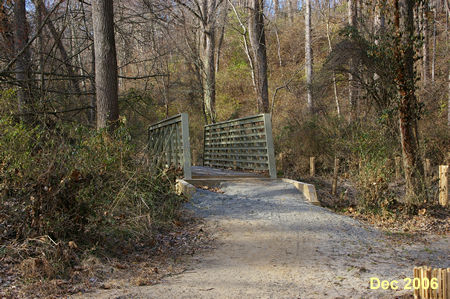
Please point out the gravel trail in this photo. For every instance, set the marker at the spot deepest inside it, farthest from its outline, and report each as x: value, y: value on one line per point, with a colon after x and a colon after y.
x: 271, y: 243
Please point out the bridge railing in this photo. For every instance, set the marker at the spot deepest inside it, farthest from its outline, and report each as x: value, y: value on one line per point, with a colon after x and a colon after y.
x: 244, y: 143
x: 168, y: 142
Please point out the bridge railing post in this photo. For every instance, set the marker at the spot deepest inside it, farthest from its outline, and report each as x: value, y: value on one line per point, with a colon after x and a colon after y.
x: 269, y: 145
x: 186, y: 146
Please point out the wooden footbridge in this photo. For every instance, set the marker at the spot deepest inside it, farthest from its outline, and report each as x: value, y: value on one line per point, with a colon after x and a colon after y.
x: 234, y: 149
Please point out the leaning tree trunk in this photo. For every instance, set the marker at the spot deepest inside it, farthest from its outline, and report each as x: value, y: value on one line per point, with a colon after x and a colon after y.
x: 257, y: 38
x: 408, y: 106
x: 22, y: 66
x: 308, y: 57
x: 105, y: 63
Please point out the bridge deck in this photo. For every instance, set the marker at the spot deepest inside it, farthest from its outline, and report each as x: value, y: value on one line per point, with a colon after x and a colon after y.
x: 203, y: 172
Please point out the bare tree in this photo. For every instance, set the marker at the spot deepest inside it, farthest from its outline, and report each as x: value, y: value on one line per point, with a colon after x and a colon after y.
x: 276, y: 4
x: 22, y: 66
x: 380, y: 18
x: 308, y: 57
x: 222, y: 23
x: 327, y: 16
x: 379, y: 24
x: 105, y: 63
x: 39, y: 18
x: 425, y: 14
x: 206, y: 14
x: 292, y: 8
x: 258, y: 43
x: 352, y: 91
x: 62, y: 50
x: 408, y: 107
x: 7, y: 33
x: 433, y: 58
x: 447, y: 13
x: 207, y: 55
x: 245, y: 43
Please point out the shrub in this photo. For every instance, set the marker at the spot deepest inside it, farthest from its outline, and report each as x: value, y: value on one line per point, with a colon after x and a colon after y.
x: 72, y: 184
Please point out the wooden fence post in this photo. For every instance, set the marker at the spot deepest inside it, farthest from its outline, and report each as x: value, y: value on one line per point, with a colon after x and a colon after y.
x: 335, y: 176
x: 431, y: 283
x: 427, y: 169
x: 194, y: 157
x: 281, y: 163
x: 397, y: 168
x: 443, y: 185
x: 312, y: 166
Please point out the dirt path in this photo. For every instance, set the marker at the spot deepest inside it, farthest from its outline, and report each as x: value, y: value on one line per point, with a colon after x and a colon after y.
x: 273, y: 244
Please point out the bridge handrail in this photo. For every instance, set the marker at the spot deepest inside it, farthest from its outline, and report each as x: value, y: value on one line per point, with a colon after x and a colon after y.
x: 169, y: 139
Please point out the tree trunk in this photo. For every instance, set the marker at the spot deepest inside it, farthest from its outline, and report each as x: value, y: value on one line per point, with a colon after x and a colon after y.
x: 408, y: 108
x: 308, y: 58
x: 352, y: 91
x: 7, y: 32
x: 207, y: 56
x: 447, y: 12
x: 258, y: 43
x: 426, y: 43
x: 336, y: 99
x: 277, y: 8
x: 78, y: 58
x: 166, y: 93
x: 380, y: 19
x: 22, y: 67
x: 245, y: 44
x: 292, y: 9
x: 433, y: 58
x: 448, y: 104
x: 105, y: 63
x: 39, y: 18
x: 92, y: 114
x: 223, y: 21
x: 379, y: 24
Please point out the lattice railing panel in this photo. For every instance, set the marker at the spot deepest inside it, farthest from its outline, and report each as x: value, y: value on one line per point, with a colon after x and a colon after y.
x: 244, y: 143
x: 168, y: 143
